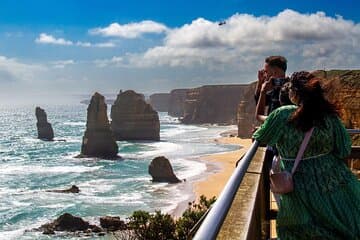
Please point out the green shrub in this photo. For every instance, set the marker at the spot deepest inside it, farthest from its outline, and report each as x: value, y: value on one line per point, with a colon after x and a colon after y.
x: 161, y: 226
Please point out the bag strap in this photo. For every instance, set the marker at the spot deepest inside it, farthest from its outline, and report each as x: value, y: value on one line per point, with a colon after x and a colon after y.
x: 302, y: 149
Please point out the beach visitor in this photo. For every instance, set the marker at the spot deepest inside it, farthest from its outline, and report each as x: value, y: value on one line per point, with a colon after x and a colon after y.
x: 273, y: 73
x: 325, y: 203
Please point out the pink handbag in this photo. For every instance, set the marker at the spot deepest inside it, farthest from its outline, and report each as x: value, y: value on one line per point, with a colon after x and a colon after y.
x: 282, y: 182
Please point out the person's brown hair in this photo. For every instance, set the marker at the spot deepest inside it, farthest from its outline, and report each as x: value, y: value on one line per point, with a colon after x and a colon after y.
x: 313, y: 106
x: 277, y: 61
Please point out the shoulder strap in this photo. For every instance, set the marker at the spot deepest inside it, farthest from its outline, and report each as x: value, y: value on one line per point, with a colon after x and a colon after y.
x: 302, y: 149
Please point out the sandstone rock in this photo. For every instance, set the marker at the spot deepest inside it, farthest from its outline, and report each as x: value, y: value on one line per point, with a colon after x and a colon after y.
x: 133, y: 118
x: 160, y: 101
x: 45, y: 130
x: 177, y: 102
x: 65, y: 222
x: 98, y: 140
x: 343, y: 88
x: 161, y: 171
x: 246, y: 120
x: 112, y: 223
x: 73, y: 189
x: 214, y: 104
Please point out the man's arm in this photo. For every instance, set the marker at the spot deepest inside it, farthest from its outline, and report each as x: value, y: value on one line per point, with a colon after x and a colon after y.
x: 261, y: 80
x: 261, y: 104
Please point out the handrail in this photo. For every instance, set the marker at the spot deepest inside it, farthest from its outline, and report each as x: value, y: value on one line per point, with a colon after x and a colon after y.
x: 353, y: 131
x: 216, y: 216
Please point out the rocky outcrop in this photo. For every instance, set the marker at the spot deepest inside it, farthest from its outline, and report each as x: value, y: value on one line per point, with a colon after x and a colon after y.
x: 45, y: 130
x: 177, y: 102
x: 112, y: 223
x: 133, y: 118
x: 214, y: 104
x: 160, y: 101
x: 343, y: 88
x: 161, y: 171
x: 65, y: 222
x: 73, y: 189
x: 246, y: 120
x: 98, y: 140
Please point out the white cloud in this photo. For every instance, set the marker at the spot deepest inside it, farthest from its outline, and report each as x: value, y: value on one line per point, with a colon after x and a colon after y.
x: 130, y: 30
x: 309, y: 41
x: 62, y: 63
x: 49, y: 39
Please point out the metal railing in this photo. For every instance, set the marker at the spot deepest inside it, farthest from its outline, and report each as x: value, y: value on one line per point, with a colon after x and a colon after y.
x: 215, y: 218
x: 213, y: 221
x: 353, y: 131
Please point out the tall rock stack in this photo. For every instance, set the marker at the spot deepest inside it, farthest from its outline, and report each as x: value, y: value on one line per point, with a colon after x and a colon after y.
x: 177, y: 102
x: 160, y: 101
x: 244, y: 121
x: 98, y: 140
x: 44, y: 128
x: 133, y: 118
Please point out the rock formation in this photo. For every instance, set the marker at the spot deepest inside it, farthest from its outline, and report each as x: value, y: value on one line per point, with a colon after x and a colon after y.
x: 98, y: 140
x: 214, y: 104
x: 65, y: 222
x: 73, y: 189
x: 161, y: 171
x: 133, y: 118
x: 246, y: 120
x: 112, y: 223
x: 45, y: 130
x: 160, y: 101
x: 177, y: 102
x: 343, y: 88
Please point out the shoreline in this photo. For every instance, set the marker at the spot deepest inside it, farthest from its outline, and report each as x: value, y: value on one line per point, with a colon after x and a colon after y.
x: 219, y: 168
x: 214, y: 182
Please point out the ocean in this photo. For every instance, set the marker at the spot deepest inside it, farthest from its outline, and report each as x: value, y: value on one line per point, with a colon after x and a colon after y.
x: 29, y: 167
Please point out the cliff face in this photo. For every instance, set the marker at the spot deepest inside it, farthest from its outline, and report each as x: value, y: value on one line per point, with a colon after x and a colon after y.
x: 160, y: 101
x: 133, y: 118
x: 44, y: 128
x: 344, y: 89
x: 98, y: 140
x: 177, y: 102
x: 214, y: 104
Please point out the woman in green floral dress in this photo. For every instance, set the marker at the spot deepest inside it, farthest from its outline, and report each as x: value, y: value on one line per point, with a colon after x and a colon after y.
x: 325, y: 203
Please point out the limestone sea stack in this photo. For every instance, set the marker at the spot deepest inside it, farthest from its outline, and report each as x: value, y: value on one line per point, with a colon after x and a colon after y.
x: 161, y: 170
x: 98, y: 140
x: 44, y: 128
x: 133, y: 118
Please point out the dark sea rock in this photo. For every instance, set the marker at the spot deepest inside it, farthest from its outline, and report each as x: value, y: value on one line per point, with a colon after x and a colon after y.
x: 133, y: 118
x: 112, y: 223
x: 73, y: 189
x: 98, y: 140
x: 44, y: 128
x: 161, y: 171
x: 66, y: 222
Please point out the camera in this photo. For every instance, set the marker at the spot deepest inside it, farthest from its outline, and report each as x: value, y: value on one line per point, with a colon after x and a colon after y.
x: 277, y: 82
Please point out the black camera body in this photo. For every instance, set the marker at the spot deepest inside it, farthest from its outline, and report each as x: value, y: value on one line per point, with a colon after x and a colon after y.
x: 277, y: 82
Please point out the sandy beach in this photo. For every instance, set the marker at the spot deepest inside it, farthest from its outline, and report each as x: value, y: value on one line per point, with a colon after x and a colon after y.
x: 220, y: 167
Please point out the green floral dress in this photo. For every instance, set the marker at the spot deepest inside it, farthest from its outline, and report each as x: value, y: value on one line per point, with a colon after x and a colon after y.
x: 325, y: 203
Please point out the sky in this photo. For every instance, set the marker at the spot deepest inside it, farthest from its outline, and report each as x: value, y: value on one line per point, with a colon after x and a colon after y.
x: 61, y: 48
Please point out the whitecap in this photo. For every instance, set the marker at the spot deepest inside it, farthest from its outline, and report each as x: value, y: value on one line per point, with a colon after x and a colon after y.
x: 12, y: 170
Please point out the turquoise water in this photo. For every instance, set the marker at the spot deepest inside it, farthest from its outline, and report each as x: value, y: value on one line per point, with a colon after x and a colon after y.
x: 29, y: 167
